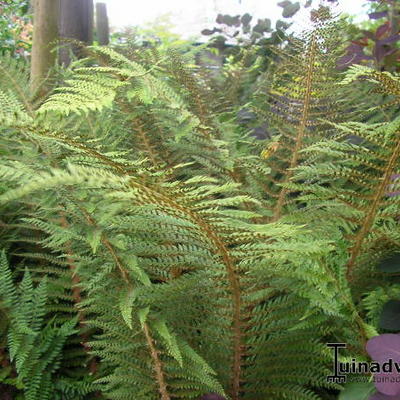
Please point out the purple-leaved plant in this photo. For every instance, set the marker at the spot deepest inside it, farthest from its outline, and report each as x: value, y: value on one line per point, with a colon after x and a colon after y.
x: 382, y: 348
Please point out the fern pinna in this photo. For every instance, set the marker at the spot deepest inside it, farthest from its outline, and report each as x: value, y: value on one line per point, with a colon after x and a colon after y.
x: 166, y: 253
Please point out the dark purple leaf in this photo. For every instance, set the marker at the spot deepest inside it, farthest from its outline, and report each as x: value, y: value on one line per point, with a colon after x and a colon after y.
x: 377, y: 15
x: 382, y: 50
x: 355, y: 48
x: 347, y: 60
x: 390, y: 39
x: 368, y: 34
x: 355, y: 55
x: 379, y: 52
x: 383, y: 347
x: 380, y: 32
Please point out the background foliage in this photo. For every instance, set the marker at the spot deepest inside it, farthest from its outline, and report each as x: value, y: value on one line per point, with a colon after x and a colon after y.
x: 15, y: 27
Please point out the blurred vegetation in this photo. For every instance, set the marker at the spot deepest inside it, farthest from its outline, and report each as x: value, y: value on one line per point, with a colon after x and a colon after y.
x: 158, y: 32
x: 375, y: 42
x: 15, y: 27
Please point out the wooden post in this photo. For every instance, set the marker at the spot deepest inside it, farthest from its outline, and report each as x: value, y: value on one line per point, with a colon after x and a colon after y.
x: 102, y: 26
x: 45, y: 36
x: 76, y: 23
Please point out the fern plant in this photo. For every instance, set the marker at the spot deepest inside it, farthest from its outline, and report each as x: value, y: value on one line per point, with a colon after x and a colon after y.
x: 34, y: 345
x: 176, y: 259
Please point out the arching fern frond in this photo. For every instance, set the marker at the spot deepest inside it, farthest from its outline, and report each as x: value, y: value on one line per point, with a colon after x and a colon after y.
x: 358, y: 182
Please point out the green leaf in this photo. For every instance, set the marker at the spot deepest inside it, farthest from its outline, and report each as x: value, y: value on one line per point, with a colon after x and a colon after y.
x: 119, y: 241
x: 143, y: 313
x: 94, y: 239
x: 133, y: 265
x: 125, y: 305
x: 163, y: 331
x: 7, y: 288
x: 370, y: 330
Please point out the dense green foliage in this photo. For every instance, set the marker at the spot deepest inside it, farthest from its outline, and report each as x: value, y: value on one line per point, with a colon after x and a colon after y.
x: 153, y: 248
x: 15, y: 26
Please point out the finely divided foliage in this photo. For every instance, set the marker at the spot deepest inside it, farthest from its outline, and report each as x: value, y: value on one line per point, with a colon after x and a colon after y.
x: 153, y: 249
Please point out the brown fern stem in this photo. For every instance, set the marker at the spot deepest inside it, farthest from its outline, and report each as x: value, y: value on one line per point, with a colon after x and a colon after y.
x: 138, y: 124
x: 373, y: 210
x: 146, y: 143
x: 162, y: 386
x: 301, y: 127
